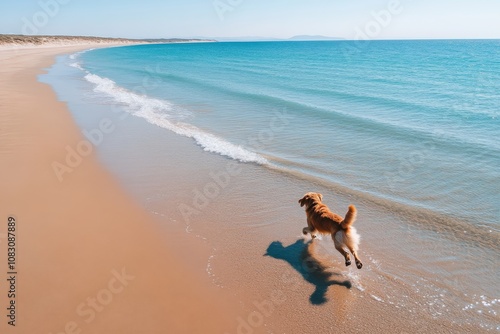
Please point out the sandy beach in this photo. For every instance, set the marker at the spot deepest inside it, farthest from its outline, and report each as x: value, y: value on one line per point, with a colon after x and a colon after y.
x: 88, y: 259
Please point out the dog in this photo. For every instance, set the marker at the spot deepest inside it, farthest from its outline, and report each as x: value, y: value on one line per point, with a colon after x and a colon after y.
x: 321, y: 220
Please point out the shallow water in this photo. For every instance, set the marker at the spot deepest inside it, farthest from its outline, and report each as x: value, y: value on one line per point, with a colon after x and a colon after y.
x: 412, y: 123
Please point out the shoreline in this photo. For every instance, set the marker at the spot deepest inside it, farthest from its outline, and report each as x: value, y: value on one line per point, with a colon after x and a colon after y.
x: 168, y: 172
x: 90, y: 258
x: 257, y: 254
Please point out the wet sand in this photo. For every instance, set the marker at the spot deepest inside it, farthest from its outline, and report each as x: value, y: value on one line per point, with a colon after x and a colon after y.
x: 88, y: 258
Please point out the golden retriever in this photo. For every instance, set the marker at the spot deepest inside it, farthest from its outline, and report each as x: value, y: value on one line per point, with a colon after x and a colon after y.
x: 320, y: 219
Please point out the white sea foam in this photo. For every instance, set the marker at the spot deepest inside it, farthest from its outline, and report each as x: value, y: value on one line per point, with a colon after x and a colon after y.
x: 78, y: 54
x: 355, y: 279
x: 75, y: 56
x: 160, y: 113
x: 377, y: 298
x: 76, y: 65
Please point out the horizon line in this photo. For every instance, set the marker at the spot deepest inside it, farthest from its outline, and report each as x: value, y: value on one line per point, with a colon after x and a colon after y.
x: 263, y: 39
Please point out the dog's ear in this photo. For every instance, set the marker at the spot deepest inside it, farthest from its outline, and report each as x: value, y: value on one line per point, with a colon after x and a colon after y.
x: 302, y: 201
x: 320, y: 197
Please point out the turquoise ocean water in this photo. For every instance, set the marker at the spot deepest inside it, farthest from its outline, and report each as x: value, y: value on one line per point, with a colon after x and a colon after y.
x: 413, y: 124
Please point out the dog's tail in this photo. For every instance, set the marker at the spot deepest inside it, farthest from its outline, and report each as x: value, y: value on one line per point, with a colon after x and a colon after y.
x: 350, y: 217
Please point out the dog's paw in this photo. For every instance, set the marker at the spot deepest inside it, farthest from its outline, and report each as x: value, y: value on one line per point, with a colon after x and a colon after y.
x: 359, y: 265
x: 347, y: 263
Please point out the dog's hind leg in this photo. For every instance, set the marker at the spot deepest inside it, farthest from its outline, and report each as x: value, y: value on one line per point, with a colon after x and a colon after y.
x: 356, y: 258
x: 338, y: 246
x: 351, y: 241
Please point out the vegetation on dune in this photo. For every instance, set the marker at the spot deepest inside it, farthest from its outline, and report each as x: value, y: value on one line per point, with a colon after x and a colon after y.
x: 39, y: 40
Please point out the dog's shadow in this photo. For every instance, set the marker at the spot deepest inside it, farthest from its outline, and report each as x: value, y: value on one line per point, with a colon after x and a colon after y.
x: 300, y: 255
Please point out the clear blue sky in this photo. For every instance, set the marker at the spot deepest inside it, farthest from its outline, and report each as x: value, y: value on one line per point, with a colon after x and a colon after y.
x: 350, y: 19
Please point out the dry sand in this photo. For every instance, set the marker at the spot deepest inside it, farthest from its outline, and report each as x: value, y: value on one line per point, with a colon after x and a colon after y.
x: 89, y: 260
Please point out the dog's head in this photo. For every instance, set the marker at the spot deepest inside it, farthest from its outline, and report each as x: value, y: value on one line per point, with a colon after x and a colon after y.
x: 310, y: 198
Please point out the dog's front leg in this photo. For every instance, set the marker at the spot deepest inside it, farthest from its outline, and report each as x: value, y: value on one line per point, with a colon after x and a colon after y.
x: 307, y: 230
